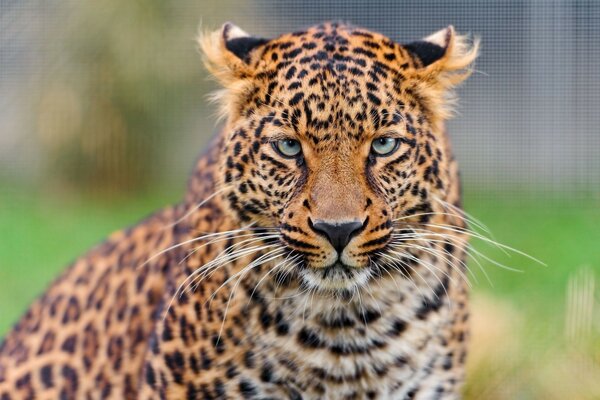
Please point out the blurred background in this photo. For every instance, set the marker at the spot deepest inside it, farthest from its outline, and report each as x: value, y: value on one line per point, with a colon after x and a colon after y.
x: 103, y: 111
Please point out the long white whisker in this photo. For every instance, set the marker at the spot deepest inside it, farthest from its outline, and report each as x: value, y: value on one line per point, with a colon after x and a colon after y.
x: 198, y: 205
x: 403, y: 265
x: 473, y: 251
x: 254, y: 264
x: 470, y: 218
x: 208, y: 269
x: 434, y: 252
x: 255, y: 237
x: 270, y: 271
x: 488, y: 240
x: 426, y: 265
x: 198, y: 238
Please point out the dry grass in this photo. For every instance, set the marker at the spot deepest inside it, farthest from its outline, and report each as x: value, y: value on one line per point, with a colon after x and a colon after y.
x: 515, y: 357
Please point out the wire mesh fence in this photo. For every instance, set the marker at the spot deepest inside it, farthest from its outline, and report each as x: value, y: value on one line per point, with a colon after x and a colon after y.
x: 113, y: 92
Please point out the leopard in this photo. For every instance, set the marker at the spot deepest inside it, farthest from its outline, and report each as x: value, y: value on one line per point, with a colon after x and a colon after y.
x: 319, y: 251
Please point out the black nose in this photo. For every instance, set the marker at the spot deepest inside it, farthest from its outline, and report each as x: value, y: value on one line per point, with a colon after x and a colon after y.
x: 339, y: 233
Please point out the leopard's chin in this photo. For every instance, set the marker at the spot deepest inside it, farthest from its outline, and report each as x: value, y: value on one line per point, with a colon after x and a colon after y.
x: 335, y: 278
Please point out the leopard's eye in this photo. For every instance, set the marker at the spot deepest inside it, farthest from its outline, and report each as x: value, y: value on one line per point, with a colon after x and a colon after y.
x: 384, y: 146
x: 289, y: 148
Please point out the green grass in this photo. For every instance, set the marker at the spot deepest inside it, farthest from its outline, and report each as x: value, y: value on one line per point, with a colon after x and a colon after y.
x: 41, y: 233
x: 562, y: 236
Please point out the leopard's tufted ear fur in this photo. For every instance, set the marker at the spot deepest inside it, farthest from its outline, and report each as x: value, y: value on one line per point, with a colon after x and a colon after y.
x: 443, y: 60
x: 227, y: 54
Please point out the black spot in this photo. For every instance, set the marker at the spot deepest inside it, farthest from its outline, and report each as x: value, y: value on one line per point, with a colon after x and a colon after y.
x: 374, y: 99
x: 292, y: 53
x: 369, y: 316
x: 219, y: 388
x: 247, y: 389
x: 356, y: 71
x: 71, y: 377
x: 23, y: 381
x: 205, y: 360
x: 231, y: 371
x: 411, y: 393
x: 249, y: 360
x: 296, y: 99
x: 191, y: 392
x: 72, y: 311
x: 150, y: 377
x: 360, y: 50
x: 309, y: 338
x: 237, y: 149
x: 338, y: 322
x: 290, y: 73
x: 167, y: 334
x: 69, y: 344
x: 266, y: 319
x: 389, y: 56
x: 435, y: 302
x: 306, y: 204
x: 218, y: 344
x: 266, y: 373
x: 281, y: 326
x: 398, y: 327
x: 46, y: 376
x: 447, y: 365
x: 449, y: 247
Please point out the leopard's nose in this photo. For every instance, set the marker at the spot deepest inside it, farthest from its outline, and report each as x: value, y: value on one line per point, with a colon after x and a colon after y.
x: 339, y: 233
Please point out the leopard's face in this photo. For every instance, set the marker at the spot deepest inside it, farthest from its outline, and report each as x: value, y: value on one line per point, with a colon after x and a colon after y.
x: 331, y: 142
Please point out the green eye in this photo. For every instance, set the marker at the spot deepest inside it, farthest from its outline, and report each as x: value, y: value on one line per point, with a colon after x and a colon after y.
x: 288, y: 147
x: 384, y: 146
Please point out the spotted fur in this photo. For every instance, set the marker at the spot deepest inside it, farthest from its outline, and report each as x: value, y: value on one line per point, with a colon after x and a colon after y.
x: 236, y: 293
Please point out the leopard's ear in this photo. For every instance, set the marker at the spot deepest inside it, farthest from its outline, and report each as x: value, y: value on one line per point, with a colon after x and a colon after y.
x: 443, y: 50
x: 227, y: 54
x: 442, y: 61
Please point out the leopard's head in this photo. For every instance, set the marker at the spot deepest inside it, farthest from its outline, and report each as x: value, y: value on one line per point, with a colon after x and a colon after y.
x: 332, y: 135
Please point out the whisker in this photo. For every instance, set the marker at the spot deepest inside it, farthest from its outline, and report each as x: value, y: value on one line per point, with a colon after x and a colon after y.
x: 269, y: 256
x: 444, y: 214
x: 185, y: 242
x: 209, y: 268
x: 403, y: 266
x: 435, y: 253
x: 198, y: 205
x: 253, y: 235
x: 226, y: 256
x: 473, y: 221
x: 426, y: 265
x: 471, y: 250
x: 488, y: 240
x: 270, y: 271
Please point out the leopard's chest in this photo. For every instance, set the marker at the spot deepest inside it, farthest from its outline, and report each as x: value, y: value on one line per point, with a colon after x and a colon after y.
x: 373, y: 349
x: 250, y: 342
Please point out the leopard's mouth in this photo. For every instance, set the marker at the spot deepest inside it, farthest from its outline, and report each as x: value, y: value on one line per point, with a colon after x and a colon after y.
x: 335, y: 277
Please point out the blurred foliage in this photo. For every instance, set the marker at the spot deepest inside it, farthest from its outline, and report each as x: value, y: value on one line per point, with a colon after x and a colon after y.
x: 111, y: 107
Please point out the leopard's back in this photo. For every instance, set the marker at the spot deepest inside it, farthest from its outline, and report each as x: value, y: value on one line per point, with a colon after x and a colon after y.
x: 87, y: 335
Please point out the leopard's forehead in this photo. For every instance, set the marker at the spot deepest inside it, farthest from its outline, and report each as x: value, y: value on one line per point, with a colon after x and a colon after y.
x: 333, y: 82
x: 345, y: 47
